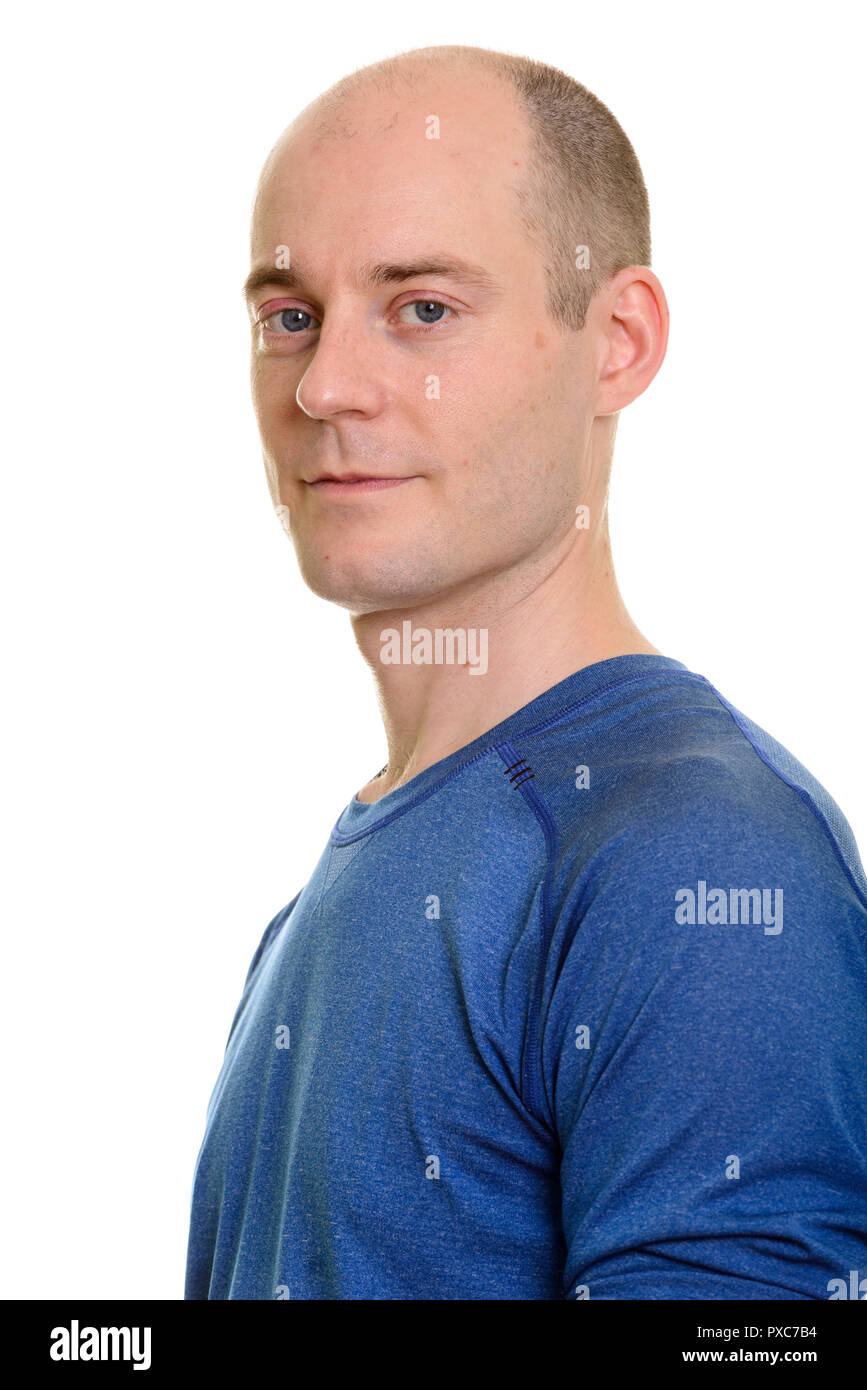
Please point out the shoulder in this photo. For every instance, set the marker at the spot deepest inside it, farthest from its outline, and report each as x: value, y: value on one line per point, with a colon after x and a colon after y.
x: 684, y: 777
x: 691, y: 845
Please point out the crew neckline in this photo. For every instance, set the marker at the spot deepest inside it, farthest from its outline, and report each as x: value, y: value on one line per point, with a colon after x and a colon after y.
x: 359, y: 817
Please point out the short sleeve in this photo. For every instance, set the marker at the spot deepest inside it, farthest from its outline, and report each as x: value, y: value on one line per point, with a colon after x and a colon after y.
x: 704, y: 1064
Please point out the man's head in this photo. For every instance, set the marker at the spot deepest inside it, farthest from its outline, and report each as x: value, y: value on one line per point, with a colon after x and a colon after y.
x: 439, y: 322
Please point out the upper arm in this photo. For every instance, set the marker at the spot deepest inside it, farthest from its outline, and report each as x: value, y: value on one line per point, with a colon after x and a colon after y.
x: 708, y: 1082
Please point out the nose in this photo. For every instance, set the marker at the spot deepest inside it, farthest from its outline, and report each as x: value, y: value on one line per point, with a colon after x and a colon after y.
x: 347, y: 371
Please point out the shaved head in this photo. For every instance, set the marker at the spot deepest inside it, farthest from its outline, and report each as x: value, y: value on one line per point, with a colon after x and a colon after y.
x: 581, y: 184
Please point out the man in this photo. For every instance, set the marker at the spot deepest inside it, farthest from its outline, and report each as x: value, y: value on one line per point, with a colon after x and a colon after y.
x: 574, y: 1002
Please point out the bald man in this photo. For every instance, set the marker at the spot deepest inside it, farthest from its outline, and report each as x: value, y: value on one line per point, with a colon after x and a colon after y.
x: 573, y: 1005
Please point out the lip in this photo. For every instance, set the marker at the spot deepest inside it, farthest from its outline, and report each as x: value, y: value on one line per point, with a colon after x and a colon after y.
x: 352, y: 485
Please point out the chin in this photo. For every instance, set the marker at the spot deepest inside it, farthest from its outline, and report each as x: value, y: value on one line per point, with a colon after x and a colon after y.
x: 377, y: 584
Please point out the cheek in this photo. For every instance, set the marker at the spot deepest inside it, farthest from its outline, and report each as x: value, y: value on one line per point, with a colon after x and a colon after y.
x: 257, y: 394
x: 514, y: 465
x: 273, y: 395
x: 271, y: 479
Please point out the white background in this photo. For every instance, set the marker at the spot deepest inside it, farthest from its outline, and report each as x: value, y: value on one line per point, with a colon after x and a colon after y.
x: 185, y: 720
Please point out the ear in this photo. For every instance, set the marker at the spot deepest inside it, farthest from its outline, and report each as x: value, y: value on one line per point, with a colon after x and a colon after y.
x: 630, y: 319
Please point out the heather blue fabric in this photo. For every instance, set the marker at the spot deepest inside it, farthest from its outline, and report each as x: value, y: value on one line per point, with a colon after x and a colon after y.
x: 479, y: 1057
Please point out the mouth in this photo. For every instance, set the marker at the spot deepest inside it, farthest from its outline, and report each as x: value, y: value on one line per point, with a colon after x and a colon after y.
x: 350, y: 484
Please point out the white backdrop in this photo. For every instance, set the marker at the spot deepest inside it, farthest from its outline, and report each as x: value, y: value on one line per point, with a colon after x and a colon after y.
x: 184, y: 720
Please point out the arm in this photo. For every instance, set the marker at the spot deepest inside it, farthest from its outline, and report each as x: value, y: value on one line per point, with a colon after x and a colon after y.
x: 708, y: 1082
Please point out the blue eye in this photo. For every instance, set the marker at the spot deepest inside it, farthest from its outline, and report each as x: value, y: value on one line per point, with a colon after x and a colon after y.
x: 428, y: 310
x: 292, y: 320
x: 427, y: 314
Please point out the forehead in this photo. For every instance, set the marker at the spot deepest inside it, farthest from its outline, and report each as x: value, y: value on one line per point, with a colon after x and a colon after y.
x: 439, y: 163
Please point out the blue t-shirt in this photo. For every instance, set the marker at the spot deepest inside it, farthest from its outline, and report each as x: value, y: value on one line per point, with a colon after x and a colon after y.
x: 579, y: 1011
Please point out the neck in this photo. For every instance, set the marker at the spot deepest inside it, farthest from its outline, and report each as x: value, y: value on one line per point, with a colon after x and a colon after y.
x: 526, y: 631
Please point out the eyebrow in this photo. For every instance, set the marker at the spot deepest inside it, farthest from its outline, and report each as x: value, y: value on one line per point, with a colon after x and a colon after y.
x: 381, y: 273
